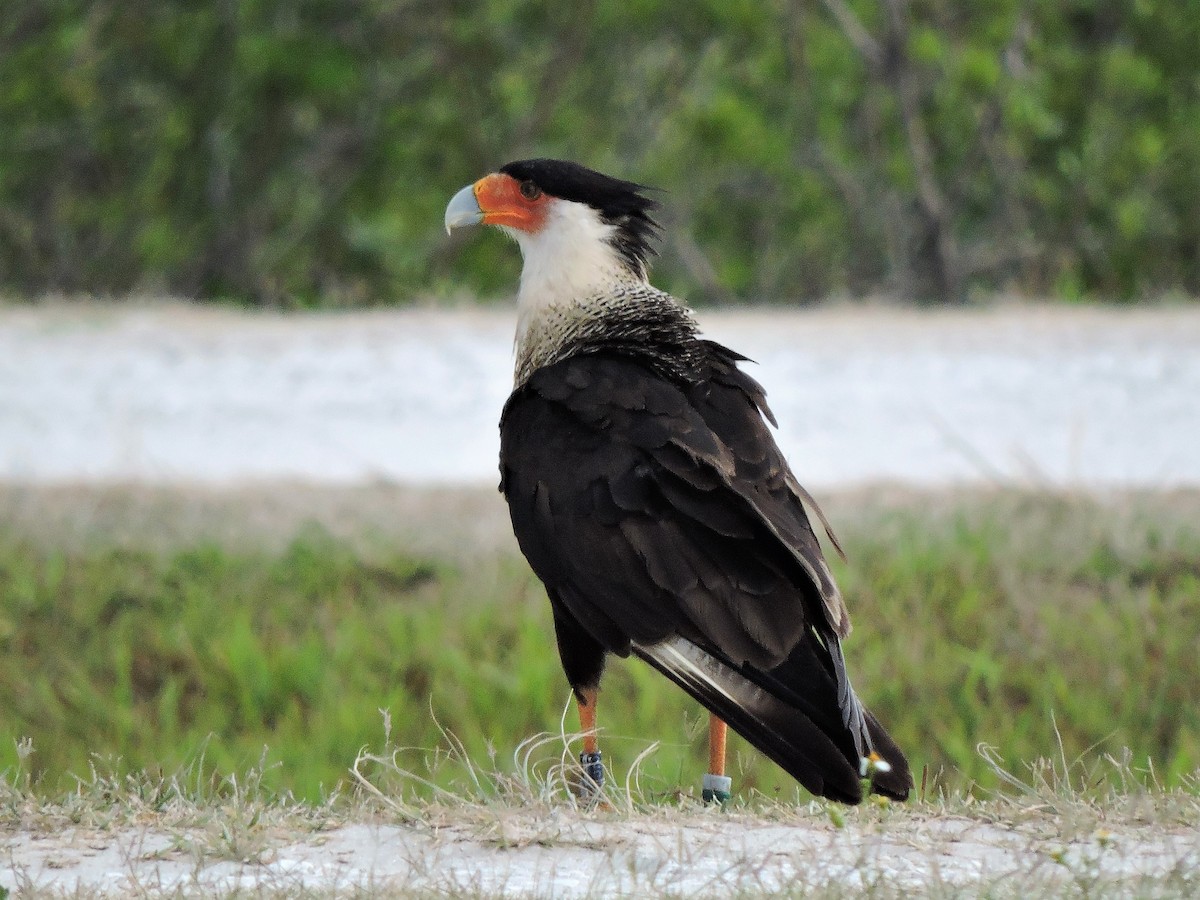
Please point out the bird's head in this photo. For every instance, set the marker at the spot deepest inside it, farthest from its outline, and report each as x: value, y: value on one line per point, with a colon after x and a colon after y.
x: 568, y: 219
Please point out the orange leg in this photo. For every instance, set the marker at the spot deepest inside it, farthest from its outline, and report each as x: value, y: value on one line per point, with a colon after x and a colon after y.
x: 593, y: 767
x: 716, y: 784
x: 586, y: 699
x: 716, y: 745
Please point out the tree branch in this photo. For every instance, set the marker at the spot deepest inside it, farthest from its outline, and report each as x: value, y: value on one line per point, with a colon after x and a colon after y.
x: 868, y: 48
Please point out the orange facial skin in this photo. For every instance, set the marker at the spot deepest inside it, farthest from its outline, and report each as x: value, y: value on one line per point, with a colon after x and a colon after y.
x: 499, y: 197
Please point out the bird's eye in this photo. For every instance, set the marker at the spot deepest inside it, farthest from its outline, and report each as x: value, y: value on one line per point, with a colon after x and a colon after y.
x: 530, y: 191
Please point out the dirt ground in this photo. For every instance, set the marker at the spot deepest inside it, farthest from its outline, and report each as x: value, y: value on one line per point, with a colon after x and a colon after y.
x: 998, y: 849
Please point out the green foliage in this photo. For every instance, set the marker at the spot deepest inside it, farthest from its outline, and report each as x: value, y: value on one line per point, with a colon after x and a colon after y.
x: 301, y: 154
x: 1018, y: 626
x: 970, y: 643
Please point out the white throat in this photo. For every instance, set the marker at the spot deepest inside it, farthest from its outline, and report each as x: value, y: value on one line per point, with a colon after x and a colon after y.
x: 568, y: 261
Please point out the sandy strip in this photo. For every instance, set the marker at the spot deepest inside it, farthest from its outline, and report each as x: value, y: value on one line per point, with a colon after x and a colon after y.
x: 570, y: 854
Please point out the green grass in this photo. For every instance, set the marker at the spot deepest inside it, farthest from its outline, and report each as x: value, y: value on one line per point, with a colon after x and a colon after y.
x: 1039, y: 626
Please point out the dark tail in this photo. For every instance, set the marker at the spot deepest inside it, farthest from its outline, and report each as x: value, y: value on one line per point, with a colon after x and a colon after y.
x: 791, y: 714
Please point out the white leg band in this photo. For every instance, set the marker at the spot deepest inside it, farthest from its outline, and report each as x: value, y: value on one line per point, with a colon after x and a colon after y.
x: 716, y: 787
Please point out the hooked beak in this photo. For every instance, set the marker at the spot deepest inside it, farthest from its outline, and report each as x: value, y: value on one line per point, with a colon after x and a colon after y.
x: 463, y: 209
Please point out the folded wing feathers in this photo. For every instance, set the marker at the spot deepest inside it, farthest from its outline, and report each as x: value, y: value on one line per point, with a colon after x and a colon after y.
x: 852, y: 711
x: 669, y: 452
x: 782, y: 732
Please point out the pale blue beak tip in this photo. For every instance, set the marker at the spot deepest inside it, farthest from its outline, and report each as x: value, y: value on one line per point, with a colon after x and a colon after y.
x: 463, y: 209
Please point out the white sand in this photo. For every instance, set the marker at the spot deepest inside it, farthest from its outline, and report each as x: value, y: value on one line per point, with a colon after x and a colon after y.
x: 1048, y: 397
x: 569, y: 854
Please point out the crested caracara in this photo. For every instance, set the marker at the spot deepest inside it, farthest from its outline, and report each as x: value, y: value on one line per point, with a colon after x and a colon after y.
x: 650, y: 498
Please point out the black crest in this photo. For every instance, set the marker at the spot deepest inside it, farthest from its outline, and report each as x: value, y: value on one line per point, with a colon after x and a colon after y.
x: 620, y: 203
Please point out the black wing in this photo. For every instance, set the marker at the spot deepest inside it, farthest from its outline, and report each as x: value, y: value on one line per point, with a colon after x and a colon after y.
x: 654, y: 511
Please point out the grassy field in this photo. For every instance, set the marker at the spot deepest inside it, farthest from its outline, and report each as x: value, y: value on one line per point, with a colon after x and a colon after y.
x: 1037, y: 625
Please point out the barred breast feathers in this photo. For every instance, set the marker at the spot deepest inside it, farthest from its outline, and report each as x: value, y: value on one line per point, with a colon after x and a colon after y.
x: 629, y: 317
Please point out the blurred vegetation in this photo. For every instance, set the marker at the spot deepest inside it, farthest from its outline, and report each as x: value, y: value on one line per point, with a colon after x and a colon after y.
x: 300, y: 153
x: 1017, y: 623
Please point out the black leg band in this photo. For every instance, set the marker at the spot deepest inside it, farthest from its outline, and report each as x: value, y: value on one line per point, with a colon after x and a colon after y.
x: 593, y: 770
